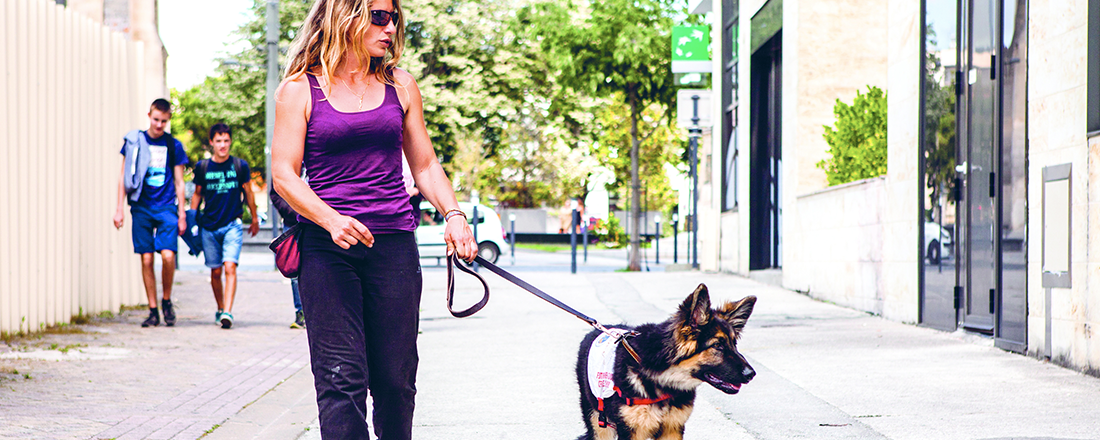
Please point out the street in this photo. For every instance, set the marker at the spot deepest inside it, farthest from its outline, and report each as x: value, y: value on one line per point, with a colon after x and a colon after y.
x: 824, y: 372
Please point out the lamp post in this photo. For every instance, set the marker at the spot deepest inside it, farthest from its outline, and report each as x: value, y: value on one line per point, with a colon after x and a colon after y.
x: 695, y: 133
x: 269, y: 109
x: 512, y: 220
x: 657, y: 241
x: 675, y: 236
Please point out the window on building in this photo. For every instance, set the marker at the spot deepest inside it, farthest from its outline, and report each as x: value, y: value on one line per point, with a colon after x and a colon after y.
x: 728, y: 137
x: 1094, y: 67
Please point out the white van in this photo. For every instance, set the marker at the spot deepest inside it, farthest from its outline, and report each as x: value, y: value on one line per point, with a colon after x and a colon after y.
x: 491, y: 237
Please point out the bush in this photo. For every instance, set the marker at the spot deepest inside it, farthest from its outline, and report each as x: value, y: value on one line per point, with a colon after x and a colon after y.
x: 610, y: 233
x: 858, y: 142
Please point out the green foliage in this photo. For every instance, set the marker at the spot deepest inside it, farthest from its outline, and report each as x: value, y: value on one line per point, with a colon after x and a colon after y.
x: 236, y: 93
x: 610, y: 233
x: 858, y: 142
x: 498, y: 119
x: 656, y: 152
x: 939, y: 130
x: 611, y: 48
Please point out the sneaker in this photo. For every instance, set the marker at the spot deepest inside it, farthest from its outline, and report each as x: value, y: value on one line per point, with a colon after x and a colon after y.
x: 299, y: 320
x: 226, y: 320
x: 153, y: 320
x: 169, y: 314
x: 218, y: 316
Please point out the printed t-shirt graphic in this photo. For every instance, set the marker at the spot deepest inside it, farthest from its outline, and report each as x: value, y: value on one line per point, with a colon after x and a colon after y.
x: 159, y: 188
x: 221, y: 193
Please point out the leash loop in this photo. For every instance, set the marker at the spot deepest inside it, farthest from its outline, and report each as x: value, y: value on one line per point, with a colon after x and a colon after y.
x: 452, y: 261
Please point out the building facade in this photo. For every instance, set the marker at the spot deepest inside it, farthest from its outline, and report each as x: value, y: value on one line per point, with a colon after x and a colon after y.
x: 988, y: 218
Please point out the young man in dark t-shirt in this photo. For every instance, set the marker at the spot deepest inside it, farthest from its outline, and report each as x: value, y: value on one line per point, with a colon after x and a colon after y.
x: 221, y: 182
x: 151, y: 181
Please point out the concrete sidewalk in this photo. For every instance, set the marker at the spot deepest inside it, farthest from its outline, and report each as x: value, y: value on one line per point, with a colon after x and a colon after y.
x: 507, y: 373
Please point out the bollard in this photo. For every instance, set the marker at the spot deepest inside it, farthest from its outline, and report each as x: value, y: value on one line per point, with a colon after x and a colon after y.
x: 573, y: 238
x: 512, y: 219
x: 675, y: 236
x: 586, y: 241
x: 474, y: 265
x: 657, y: 241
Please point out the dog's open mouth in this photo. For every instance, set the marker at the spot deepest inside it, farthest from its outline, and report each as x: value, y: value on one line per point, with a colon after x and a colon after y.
x: 723, y: 386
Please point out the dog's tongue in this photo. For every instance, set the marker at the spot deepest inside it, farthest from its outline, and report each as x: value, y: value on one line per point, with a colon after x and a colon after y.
x: 723, y: 384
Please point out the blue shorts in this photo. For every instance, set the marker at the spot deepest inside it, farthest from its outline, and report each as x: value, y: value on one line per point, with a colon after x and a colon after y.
x: 155, y: 228
x: 223, y: 245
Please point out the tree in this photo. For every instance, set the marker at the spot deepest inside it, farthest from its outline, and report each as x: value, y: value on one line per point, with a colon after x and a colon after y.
x: 656, y: 154
x: 858, y: 142
x: 607, y: 47
x: 469, y: 69
x: 235, y: 93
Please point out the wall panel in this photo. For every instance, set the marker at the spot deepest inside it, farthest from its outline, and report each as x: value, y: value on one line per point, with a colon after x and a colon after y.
x: 69, y: 90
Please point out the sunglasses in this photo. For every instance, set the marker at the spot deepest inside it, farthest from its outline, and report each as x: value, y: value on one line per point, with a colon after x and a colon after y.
x: 382, y: 18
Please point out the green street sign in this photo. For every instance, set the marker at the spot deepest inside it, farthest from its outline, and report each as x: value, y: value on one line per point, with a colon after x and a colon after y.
x: 690, y: 43
x: 691, y: 49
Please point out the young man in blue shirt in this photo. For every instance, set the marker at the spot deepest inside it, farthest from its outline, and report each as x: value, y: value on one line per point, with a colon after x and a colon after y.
x: 151, y: 181
x: 223, y: 182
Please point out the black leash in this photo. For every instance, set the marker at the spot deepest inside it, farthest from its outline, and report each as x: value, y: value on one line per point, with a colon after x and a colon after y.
x: 453, y: 261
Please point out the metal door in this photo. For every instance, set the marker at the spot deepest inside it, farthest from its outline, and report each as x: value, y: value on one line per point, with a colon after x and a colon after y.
x: 976, y: 167
x: 1011, y: 307
x: 765, y: 137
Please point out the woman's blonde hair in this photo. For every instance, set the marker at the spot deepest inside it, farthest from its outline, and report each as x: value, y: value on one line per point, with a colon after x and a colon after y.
x: 330, y: 30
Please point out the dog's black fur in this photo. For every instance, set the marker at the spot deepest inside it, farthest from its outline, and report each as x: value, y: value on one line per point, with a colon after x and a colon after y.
x: 696, y: 345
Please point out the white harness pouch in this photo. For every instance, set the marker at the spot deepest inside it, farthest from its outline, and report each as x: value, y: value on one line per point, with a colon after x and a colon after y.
x: 601, y: 363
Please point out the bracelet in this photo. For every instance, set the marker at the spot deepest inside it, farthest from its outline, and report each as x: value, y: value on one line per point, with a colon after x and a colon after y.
x: 452, y: 213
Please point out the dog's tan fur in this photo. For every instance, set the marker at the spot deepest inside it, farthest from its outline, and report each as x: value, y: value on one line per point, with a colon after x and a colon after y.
x: 699, y: 346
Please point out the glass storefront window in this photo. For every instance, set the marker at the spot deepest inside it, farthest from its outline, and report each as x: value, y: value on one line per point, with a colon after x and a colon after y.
x: 938, y: 157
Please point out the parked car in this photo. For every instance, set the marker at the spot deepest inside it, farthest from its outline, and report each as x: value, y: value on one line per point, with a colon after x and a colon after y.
x: 937, y: 242
x: 491, y: 238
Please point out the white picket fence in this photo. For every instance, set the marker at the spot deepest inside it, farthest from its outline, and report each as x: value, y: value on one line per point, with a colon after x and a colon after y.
x: 69, y: 90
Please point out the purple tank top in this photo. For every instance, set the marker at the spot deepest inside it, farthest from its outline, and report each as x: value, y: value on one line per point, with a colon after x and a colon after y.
x: 353, y: 161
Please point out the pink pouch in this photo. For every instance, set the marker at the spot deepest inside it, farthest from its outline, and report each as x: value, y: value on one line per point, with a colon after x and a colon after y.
x: 287, y: 257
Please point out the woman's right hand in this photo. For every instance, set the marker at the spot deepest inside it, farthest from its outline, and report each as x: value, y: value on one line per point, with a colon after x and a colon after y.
x: 347, y: 232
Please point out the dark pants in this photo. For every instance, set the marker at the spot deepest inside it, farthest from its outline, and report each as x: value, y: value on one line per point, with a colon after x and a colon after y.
x: 363, y: 309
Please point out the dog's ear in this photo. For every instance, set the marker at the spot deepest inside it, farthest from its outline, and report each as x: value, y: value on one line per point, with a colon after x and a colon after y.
x: 695, y: 310
x: 737, y: 313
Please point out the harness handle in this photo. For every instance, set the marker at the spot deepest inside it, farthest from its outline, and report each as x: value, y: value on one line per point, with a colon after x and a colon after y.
x: 453, y: 260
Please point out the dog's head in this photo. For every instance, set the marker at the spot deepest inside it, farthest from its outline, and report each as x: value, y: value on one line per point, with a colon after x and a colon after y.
x: 705, y: 341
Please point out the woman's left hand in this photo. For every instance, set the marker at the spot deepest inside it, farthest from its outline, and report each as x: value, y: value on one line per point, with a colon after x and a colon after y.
x: 460, y: 239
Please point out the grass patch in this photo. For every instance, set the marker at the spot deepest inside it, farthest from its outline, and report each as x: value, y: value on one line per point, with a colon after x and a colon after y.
x: 545, y: 247
x: 63, y: 329
x: 66, y: 348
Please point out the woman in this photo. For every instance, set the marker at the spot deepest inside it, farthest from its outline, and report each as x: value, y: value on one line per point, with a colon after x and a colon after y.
x: 346, y: 112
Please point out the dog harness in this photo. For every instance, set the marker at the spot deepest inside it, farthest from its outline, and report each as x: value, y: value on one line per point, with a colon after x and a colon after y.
x: 601, y: 366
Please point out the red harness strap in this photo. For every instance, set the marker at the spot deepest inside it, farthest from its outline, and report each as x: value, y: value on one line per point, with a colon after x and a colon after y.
x: 630, y: 401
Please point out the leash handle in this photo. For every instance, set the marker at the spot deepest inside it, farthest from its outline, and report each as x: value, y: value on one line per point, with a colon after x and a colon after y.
x: 453, y: 261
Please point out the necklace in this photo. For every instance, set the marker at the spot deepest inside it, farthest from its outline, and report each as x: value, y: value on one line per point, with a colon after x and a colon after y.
x: 357, y: 95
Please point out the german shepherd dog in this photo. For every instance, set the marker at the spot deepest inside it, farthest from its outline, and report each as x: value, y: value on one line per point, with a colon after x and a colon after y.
x: 654, y: 399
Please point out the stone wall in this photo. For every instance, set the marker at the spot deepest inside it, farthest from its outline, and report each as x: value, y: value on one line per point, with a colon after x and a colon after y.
x: 834, y: 248
x: 1057, y: 135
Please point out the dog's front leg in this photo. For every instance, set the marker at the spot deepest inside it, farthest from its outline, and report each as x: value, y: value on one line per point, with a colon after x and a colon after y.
x: 670, y: 433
